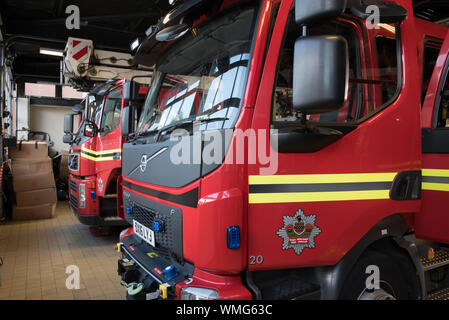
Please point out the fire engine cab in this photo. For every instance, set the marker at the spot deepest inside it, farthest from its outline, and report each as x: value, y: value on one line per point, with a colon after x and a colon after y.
x: 96, y: 148
x: 333, y: 159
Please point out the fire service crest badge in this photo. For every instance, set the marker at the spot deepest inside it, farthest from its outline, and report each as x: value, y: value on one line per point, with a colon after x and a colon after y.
x: 298, y: 232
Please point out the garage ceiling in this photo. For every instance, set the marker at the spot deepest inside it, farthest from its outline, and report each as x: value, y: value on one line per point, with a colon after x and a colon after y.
x: 29, y: 25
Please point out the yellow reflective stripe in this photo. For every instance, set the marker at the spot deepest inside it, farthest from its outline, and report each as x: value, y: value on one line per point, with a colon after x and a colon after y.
x: 98, y: 159
x: 318, y: 196
x: 322, y: 178
x: 101, y: 152
x: 109, y: 151
x: 88, y: 150
x: 88, y: 157
x: 435, y: 186
x: 435, y: 172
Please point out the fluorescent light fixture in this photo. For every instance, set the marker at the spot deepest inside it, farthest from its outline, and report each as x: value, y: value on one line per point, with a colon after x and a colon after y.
x: 51, y: 52
x: 135, y: 44
x: 166, y: 19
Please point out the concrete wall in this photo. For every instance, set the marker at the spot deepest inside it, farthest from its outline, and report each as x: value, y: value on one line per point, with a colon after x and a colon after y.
x: 50, y: 120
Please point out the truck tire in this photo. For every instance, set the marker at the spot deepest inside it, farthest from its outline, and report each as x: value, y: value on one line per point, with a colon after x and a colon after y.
x: 397, y: 276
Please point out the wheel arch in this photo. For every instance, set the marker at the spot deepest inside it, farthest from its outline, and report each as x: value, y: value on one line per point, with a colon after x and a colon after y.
x: 392, y: 228
x: 112, y: 178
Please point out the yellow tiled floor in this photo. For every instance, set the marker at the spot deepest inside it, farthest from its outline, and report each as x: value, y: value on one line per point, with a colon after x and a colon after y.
x: 36, y: 254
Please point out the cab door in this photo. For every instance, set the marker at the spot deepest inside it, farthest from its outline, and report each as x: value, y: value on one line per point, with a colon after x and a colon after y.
x: 433, y: 221
x: 323, y: 197
x: 109, y: 141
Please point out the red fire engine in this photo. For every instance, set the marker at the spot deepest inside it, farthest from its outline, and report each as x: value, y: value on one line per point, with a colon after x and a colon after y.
x: 343, y: 177
x: 95, y: 156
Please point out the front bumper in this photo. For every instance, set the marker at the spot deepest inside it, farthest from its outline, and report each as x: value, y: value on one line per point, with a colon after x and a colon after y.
x: 91, y: 205
x: 146, y: 265
x: 90, y: 214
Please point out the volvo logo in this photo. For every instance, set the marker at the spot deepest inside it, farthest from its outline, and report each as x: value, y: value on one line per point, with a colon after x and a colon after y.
x: 143, y: 163
x: 145, y: 159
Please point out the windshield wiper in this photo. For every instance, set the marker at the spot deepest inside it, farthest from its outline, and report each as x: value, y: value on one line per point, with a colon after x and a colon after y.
x: 173, y: 127
x: 134, y: 136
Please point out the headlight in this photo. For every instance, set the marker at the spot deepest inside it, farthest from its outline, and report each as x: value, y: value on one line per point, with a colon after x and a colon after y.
x: 193, y: 293
x: 82, y: 193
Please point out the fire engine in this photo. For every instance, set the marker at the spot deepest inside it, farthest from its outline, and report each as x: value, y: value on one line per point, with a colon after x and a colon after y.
x: 333, y: 174
x: 96, y: 148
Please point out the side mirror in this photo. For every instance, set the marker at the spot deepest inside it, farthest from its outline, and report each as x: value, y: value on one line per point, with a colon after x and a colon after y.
x: 77, y: 108
x: 307, y: 11
x: 90, y: 130
x: 68, y: 123
x: 320, y: 74
x: 67, y: 138
x: 172, y: 33
x: 130, y: 91
x: 125, y: 124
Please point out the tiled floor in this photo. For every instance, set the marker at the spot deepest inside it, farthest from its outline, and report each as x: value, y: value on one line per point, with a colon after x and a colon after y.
x: 37, y: 253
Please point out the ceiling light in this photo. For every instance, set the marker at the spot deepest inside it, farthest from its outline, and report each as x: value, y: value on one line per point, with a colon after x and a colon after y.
x: 135, y: 44
x: 51, y: 52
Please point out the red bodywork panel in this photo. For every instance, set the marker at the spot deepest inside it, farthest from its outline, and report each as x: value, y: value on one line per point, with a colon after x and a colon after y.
x: 228, y: 287
x: 432, y: 222
x: 370, y: 148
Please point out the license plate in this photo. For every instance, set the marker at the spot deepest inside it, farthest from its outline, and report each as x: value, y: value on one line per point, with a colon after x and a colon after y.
x: 144, y: 233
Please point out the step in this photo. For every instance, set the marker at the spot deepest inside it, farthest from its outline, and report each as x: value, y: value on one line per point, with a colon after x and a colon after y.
x: 439, y: 295
x: 113, y: 219
x: 441, y: 259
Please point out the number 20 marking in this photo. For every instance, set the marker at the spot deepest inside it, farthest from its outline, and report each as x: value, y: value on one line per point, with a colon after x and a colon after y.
x: 255, y: 260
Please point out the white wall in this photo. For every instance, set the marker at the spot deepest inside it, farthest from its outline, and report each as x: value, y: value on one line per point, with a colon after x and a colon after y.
x: 50, y: 120
x: 23, y: 117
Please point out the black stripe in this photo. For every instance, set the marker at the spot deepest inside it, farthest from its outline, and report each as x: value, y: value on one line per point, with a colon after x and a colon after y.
x: 319, y: 187
x: 188, y: 199
x: 101, y: 155
x: 429, y: 179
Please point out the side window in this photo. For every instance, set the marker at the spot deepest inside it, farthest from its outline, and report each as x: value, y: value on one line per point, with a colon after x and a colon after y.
x: 91, y: 108
x: 111, y: 112
x: 369, y: 87
x: 443, y: 107
x: 430, y: 56
x: 386, y: 73
x: 98, y: 109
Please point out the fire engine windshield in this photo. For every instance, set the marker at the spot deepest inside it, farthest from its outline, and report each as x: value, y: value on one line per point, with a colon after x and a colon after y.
x: 202, y: 77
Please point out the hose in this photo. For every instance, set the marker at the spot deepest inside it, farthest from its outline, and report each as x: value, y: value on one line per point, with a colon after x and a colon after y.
x: 132, y: 288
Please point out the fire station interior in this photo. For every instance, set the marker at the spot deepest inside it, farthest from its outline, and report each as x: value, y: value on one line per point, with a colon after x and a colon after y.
x: 42, y: 242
